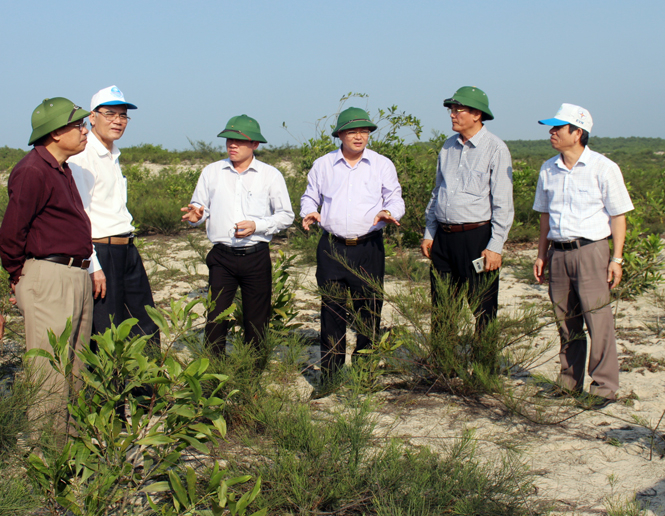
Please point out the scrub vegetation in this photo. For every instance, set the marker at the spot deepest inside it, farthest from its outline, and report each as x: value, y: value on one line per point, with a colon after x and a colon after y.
x: 209, y: 435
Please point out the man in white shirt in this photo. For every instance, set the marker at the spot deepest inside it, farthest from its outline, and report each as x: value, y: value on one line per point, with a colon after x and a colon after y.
x: 244, y: 203
x: 583, y: 200
x: 120, y: 284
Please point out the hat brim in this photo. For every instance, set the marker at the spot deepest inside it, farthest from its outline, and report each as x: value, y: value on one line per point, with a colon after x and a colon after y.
x: 237, y: 135
x: 355, y: 124
x: 464, y: 101
x: 117, y: 103
x: 56, y: 123
x: 555, y: 122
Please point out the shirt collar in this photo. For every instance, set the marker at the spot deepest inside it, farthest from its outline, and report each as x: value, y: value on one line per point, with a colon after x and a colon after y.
x: 98, y: 146
x: 475, y: 139
x: 48, y: 157
x: 340, y: 156
x: 582, y: 160
x: 253, y: 166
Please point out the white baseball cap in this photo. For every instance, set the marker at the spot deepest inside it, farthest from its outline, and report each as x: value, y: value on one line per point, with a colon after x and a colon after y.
x: 570, y: 114
x: 111, y: 96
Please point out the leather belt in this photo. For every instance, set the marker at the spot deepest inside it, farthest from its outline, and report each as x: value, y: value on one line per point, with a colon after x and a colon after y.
x: 79, y: 263
x: 573, y: 244
x: 456, y: 228
x: 242, y: 251
x: 356, y: 240
x: 114, y: 240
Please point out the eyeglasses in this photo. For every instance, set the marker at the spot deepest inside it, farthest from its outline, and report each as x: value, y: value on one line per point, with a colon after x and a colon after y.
x: 457, y: 110
x: 112, y: 116
x: 359, y: 132
x: 80, y: 126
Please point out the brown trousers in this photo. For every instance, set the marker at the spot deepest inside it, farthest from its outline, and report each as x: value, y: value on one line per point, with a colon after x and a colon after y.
x: 580, y: 293
x: 48, y: 294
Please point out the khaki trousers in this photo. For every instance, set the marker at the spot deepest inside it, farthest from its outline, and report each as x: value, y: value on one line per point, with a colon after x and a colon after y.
x: 48, y: 294
x: 580, y: 293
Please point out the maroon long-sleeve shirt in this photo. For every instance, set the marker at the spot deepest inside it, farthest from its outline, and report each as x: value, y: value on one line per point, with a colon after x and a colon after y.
x: 45, y: 214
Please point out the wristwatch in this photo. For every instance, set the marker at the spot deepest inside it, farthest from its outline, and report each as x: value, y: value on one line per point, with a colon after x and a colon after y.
x: 617, y: 260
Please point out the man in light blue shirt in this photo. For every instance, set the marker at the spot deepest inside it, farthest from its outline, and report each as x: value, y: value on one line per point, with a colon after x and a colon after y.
x: 358, y: 192
x: 244, y: 203
x: 471, y: 209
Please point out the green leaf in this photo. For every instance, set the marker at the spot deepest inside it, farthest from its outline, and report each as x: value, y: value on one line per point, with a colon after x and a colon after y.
x: 194, y: 442
x: 124, y: 329
x: 159, y: 319
x: 191, y: 483
x: 178, y: 488
x: 157, y: 487
x: 155, y: 440
x: 220, y: 425
x: 39, y: 353
x: 238, y: 480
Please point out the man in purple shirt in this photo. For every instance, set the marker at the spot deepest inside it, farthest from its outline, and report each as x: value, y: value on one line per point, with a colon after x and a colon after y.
x: 358, y: 192
x: 46, y: 243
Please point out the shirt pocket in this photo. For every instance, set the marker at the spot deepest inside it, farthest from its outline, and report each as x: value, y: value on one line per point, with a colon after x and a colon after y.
x: 587, y: 201
x: 256, y: 204
x: 476, y: 183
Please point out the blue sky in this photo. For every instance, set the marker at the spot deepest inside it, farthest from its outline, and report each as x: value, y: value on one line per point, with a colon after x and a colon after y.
x: 190, y: 66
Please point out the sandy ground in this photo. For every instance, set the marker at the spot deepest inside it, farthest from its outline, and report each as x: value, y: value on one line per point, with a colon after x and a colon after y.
x: 578, y: 464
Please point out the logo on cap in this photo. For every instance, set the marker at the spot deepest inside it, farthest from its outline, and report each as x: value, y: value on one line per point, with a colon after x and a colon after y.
x: 116, y: 92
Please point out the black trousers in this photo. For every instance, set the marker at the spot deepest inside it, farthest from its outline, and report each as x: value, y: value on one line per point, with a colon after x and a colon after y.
x: 253, y: 274
x: 452, y: 254
x: 334, y: 281
x: 127, y: 291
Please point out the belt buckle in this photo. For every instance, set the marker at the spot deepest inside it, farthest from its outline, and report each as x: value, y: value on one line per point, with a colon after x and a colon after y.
x: 447, y: 228
x: 351, y: 241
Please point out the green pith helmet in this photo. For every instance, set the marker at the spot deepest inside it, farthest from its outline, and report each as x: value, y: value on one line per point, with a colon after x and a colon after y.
x: 472, y: 97
x: 243, y: 127
x: 53, y: 114
x: 352, y: 118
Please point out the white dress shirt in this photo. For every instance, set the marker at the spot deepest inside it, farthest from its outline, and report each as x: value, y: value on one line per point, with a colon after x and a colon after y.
x: 581, y: 201
x: 350, y: 197
x: 258, y: 194
x: 103, y: 190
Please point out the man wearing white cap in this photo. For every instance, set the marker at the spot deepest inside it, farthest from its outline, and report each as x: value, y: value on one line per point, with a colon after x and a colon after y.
x: 120, y: 284
x: 582, y: 200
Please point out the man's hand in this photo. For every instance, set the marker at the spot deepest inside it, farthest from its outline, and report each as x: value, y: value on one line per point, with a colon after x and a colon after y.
x: 193, y: 213
x: 310, y: 219
x: 539, y: 269
x: 2, y: 326
x: 12, y: 299
x: 245, y: 228
x: 385, y: 216
x: 614, y: 273
x: 492, y: 260
x: 98, y: 284
x: 426, y: 247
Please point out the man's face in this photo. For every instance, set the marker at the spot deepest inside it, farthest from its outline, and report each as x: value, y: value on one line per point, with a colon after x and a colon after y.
x: 562, y: 139
x: 109, y: 122
x: 73, y: 138
x: 240, y: 150
x: 355, y: 140
x: 464, y: 118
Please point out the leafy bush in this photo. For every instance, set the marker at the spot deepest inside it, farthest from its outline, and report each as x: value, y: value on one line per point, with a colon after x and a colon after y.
x: 155, y: 200
x: 109, y: 464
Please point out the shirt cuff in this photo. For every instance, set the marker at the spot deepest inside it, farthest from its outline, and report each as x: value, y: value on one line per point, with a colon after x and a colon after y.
x: 261, y: 226
x: 495, y: 245
x: 94, y: 262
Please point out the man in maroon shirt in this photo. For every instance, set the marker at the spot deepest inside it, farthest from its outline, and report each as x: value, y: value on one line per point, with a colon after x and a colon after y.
x: 46, y: 242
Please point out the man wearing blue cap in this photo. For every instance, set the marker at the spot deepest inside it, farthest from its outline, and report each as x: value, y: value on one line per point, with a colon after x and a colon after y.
x: 582, y: 200
x: 120, y: 283
x: 471, y: 210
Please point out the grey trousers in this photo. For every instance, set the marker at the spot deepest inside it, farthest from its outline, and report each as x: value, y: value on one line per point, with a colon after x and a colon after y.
x: 47, y: 294
x: 580, y: 294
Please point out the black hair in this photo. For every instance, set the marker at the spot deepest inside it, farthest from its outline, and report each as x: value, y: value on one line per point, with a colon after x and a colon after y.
x: 584, y: 139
